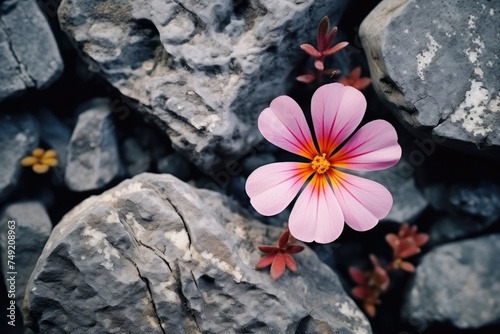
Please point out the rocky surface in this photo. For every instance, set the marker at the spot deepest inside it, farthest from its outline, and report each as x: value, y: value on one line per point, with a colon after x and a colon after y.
x: 93, y: 159
x: 469, y: 208
x: 459, y: 284
x: 203, y: 71
x: 28, y: 51
x: 434, y: 63
x: 31, y: 228
x: 19, y: 135
x: 179, y: 260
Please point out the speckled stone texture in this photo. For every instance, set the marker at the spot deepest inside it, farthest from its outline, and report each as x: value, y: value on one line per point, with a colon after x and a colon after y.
x: 155, y: 255
x: 202, y: 70
x: 29, y: 55
x: 458, y: 283
x: 436, y: 64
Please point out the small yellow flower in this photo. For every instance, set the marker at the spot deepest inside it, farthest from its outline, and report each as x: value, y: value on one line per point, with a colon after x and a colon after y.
x: 40, y: 160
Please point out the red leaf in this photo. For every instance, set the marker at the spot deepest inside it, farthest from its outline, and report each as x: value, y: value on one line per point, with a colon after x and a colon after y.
x: 403, y: 230
x: 370, y: 309
x: 407, y: 252
x: 305, y: 78
x: 360, y: 292
x: 362, y: 83
x: 323, y: 27
x: 310, y: 50
x: 357, y: 275
x: 268, y: 249
x: 290, y: 263
x: 319, y: 65
x: 278, y: 266
x: 335, y: 49
x: 421, y: 239
x: 265, y: 261
x: 407, y: 266
x: 283, y: 240
x: 392, y: 240
x: 292, y: 249
x: 331, y: 37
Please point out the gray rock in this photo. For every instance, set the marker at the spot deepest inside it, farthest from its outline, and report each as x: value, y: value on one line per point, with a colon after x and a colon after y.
x: 93, y: 159
x: 458, y: 283
x: 434, y: 64
x: 155, y: 255
x: 31, y: 229
x: 176, y: 165
x: 408, y: 200
x: 18, y: 136
x: 469, y: 208
x: 137, y: 159
x: 28, y: 51
x: 202, y: 70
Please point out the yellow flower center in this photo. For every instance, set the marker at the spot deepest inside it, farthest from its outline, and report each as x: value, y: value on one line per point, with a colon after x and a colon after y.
x: 320, y: 164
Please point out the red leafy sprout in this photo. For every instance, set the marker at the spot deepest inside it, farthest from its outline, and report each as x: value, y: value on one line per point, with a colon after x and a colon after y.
x: 371, y: 284
x: 279, y: 256
x: 325, y: 48
x: 355, y: 80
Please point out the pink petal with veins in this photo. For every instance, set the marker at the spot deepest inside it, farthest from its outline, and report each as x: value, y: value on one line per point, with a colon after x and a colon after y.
x: 373, y: 147
x: 316, y: 216
x: 336, y: 112
x: 284, y: 125
x: 272, y: 187
x: 363, y: 202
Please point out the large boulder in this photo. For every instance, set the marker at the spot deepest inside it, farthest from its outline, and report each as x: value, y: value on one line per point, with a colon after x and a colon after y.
x: 155, y: 255
x: 434, y: 63
x: 28, y: 51
x: 202, y: 70
x: 457, y: 283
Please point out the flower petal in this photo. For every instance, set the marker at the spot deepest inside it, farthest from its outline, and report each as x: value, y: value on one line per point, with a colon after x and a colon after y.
x: 285, y: 125
x: 373, y: 147
x: 363, y: 202
x: 316, y: 216
x: 336, y: 112
x: 278, y: 266
x: 272, y: 187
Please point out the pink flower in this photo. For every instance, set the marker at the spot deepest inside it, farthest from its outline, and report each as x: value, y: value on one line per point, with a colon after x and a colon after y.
x: 330, y: 195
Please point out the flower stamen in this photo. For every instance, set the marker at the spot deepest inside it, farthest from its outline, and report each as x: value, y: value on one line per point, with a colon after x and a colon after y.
x: 320, y: 164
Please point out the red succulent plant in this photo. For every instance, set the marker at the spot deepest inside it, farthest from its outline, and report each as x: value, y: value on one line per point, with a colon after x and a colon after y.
x: 355, y: 80
x: 278, y: 257
x: 325, y: 44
